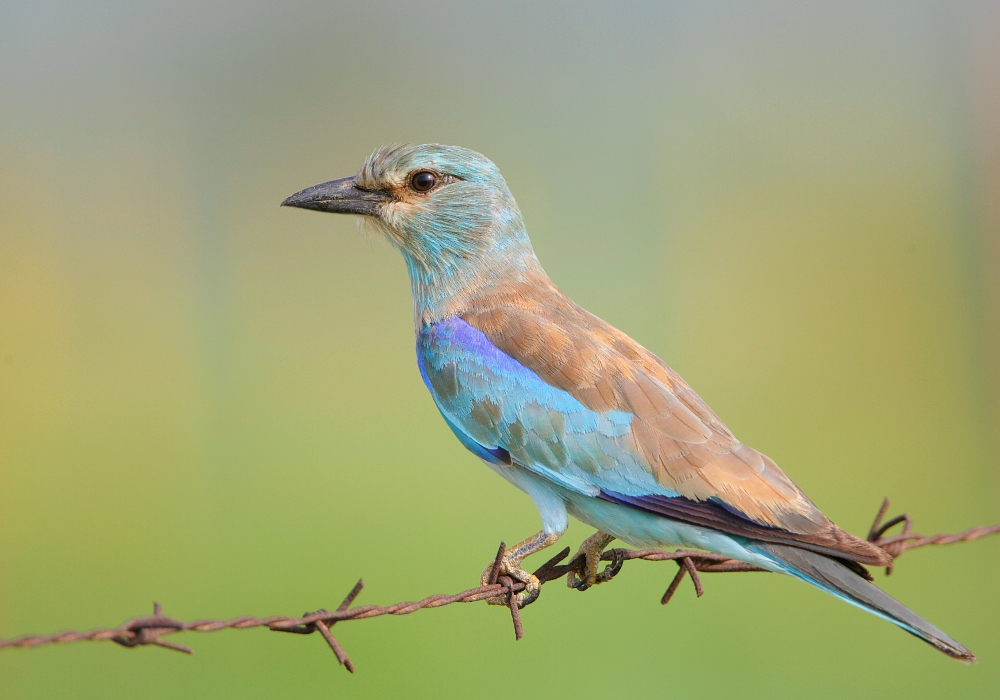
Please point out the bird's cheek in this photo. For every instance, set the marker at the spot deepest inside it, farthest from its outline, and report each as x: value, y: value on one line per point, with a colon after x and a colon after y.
x: 393, y: 223
x: 406, y: 218
x: 394, y: 215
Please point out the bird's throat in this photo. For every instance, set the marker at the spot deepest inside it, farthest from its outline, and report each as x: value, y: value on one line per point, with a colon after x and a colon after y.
x: 444, y: 291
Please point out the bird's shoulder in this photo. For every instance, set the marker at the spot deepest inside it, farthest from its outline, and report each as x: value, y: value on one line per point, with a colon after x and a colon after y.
x: 599, y: 365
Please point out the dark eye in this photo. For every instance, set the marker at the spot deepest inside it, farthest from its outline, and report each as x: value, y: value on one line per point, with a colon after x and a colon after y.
x: 423, y: 181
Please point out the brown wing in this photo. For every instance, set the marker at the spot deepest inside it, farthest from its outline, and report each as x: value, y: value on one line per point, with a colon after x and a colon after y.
x: 674, y: 434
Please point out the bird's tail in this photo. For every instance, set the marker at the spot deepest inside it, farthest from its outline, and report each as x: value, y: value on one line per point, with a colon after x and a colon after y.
x: 833, y: 577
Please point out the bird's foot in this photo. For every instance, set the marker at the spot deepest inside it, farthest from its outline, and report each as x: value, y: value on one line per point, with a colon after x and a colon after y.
x: 591, y: 550
x: 509, y: 564
x: 532, y: 586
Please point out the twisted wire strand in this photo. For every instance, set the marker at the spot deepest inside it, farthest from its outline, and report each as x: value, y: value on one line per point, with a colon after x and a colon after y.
x: 149, y: 630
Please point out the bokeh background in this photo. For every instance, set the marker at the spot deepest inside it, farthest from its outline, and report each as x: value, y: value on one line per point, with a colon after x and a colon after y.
x: 211, y: 402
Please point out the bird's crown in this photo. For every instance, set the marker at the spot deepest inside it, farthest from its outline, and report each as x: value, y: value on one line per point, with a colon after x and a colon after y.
x: 392, y: 166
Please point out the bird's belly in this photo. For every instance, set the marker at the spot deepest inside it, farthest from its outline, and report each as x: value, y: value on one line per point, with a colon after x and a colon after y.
x: 631, y: 526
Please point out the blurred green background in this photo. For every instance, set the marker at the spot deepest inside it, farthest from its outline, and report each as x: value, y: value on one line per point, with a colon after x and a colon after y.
x: 213, y: 403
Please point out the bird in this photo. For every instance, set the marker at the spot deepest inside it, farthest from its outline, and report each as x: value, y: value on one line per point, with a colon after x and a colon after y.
x: 571, y: 410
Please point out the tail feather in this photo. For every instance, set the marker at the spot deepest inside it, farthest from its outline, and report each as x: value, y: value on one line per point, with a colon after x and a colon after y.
x: 836, y: 579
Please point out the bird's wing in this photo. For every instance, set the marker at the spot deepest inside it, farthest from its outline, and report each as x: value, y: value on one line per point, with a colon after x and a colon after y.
x: 576, y: 400
x: 502, y: 410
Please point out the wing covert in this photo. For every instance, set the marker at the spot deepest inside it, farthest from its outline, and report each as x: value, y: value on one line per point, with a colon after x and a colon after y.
x: 657, y: 447
x: 673, y: 435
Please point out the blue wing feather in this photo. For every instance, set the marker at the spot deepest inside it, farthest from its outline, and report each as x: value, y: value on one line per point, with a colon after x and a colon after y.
x: 492, y: 402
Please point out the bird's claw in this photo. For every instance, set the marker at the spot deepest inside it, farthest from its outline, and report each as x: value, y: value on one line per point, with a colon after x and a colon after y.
x: 510, y: 569
x: 609, y: 572
x: 591, y: 551
x: 612, y: 569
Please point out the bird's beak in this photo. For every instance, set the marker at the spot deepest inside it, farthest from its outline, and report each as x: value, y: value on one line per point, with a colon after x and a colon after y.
x: 341, y: 196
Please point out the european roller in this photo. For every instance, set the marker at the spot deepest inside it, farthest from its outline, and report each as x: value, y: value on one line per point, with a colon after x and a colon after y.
x: 571, y: 410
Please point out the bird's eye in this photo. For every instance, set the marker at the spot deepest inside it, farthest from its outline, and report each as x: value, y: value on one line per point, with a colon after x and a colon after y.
x: 423, y: 181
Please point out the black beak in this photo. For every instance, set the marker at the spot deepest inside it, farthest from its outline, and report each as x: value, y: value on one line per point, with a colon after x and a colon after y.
x: 341, y: 196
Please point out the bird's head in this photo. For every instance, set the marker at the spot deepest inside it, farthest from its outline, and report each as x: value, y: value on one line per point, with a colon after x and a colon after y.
x: 447, y: 209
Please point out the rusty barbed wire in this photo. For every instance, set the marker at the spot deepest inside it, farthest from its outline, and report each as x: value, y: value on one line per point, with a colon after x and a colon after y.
x: 149, y: 630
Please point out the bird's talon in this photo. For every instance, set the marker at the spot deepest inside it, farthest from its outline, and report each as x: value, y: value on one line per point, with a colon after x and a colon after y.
x: 612, y: 569
x: 573, y: 580
x: 511, y: 571
x: 591, y: 551
x: 528, y: 596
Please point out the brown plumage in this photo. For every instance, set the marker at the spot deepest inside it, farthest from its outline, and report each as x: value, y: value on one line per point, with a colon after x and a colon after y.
x: 674, y: 433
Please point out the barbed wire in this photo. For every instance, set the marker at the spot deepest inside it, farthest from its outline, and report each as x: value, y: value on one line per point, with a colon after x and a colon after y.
x: 150, y: 630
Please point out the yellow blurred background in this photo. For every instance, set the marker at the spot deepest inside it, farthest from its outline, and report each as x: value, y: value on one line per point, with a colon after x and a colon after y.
x: 211, y: 402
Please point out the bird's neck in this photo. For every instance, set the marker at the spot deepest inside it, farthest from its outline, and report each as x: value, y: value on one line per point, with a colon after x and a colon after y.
x: 449, y: 286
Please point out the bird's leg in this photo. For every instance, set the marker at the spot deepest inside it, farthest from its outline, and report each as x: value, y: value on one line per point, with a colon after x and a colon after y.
x: 510, y: 565
x: 591, y: 549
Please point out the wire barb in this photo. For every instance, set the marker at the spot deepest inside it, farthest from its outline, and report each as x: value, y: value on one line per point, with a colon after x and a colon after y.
x: 149, y: 630
x: 497, y: 561
x: 323, y: 627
